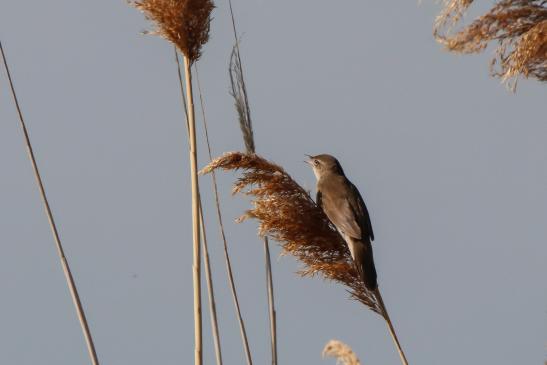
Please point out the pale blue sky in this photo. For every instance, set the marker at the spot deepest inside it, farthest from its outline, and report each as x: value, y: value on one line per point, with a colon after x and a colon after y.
x: 453, y: 168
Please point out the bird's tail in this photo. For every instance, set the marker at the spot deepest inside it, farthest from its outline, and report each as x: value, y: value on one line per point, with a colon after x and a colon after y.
x: 364, y: 263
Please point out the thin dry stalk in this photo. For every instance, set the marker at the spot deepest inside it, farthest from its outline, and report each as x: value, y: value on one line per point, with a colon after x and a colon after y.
x: 182, y: 92
x: 239, y: 92
x: 198, y: 355
x: 518, y: 26
x: 343, y: 353
x: 231, y: 281
x: 272, y: 314
x: 208, y: 275
x: 64, y: 262
x: 390, y: 326
x: 185, y: 23
x: 210, y: 289
x: 288, y: 214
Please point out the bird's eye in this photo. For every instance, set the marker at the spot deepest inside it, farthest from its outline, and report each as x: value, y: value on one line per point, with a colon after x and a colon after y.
x: 316, y: 162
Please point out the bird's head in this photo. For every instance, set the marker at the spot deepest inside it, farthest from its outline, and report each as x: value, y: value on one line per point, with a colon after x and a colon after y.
x: 324, y: 164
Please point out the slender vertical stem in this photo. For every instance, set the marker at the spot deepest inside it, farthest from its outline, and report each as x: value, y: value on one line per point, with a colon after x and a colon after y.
x: 390, y: 326
x: 198, y: 355
x: 211, y: 292
x: 271, y: 312
x: 208, y: 276
x: 182, y: 92
x: 64, y: 263
x: 225, y: 243
x: 269, y: 276
x: 231, y: 279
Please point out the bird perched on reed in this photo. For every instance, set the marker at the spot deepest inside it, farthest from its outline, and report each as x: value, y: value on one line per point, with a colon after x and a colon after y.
x: 345, y: 208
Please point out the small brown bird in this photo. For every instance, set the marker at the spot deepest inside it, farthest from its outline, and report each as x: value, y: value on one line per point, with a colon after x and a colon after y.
x: 344, y: 206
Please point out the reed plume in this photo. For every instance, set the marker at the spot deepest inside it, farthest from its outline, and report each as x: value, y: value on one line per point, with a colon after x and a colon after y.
x: 241, y: 102
x: 343, y: 353
x: 185, y: 23
x: 518, y: 26
x: 288, y: 214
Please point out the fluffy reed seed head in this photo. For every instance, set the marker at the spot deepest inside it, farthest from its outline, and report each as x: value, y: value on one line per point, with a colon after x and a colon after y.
x: 239, y: 93
x: 343, y: 353
x: 519, y: 27
x: 288, y: 214
x: 185, y: 23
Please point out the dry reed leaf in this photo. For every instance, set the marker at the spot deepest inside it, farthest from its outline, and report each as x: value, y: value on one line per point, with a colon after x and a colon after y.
x: 343, y: 353
x: 185, y: 23
x: 518, y: 26
x: 288, y: 214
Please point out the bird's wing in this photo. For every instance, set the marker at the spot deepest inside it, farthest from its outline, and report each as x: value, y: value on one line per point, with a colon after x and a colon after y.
x: 318, y: 200
x: 361, y: 214
x: 342, y: 216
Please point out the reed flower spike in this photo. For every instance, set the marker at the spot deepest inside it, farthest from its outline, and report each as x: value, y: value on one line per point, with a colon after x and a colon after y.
x: 289, y: 215
x: 185, y: 23
x: 241, y: 102
x: 342, y: 352
x: 518, y: 26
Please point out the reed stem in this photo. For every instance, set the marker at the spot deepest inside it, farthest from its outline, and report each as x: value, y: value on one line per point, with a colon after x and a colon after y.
x: 64, y: 262
x: 271, y: 312
x: 211, y: 292
x: 231, y: 281
x: 267, y: 262
x: 198, y: 352
x: 208, y: 275
x: 390, y: 326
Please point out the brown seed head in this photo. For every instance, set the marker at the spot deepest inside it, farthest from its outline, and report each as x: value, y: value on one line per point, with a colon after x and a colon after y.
x: 185, y: 23
x: 342, y: 352
x: 518, y: 26
x: 288, y: 214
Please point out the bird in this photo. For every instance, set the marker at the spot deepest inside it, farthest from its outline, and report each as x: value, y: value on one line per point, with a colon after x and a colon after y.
x: 342, y: 203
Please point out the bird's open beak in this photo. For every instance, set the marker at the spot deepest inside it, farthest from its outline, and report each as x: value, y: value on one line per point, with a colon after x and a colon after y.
x: 309, y: 160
